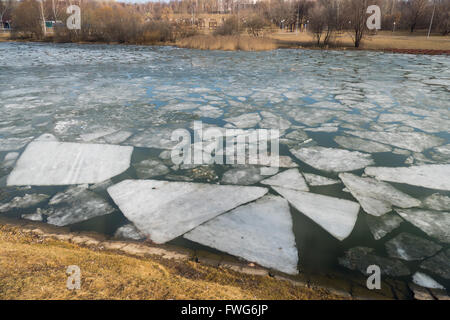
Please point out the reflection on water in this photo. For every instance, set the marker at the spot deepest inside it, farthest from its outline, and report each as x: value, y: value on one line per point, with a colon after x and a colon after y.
x: 113, y: 94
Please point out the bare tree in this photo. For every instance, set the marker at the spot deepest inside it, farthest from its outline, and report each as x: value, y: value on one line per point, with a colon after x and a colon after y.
x: 413, y: 12
x: 356, y: 14
x: 5, y: 8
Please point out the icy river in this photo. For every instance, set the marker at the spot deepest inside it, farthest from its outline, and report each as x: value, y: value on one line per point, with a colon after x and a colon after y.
x: 364, y: 144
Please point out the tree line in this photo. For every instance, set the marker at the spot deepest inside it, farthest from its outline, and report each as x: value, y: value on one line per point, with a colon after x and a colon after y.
x: 109, y: 21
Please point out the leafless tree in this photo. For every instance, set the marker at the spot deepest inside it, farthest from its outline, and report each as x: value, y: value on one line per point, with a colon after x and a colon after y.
x: 355, y: 11
x: 413, y: 11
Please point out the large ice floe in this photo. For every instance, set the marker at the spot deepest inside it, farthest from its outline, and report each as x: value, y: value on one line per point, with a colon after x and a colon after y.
x: 46, y: 163
x: 164, y: 210
x: 433, y: 176
x: 376, y: 197
x: 331, y: 159
x: 359, y: 144
x: 27, y: 201
x: 434, y: 223
x: 259, y: 232
x: 337, y: 216
x: 439, y: 264
x: 414, y: 141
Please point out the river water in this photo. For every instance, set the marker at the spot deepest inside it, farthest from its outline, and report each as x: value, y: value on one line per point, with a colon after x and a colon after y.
x: 84, y: 93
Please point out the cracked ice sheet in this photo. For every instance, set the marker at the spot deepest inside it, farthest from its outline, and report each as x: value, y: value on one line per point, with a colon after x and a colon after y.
x: 434, y: 176
x: 377, y: 197
x: 414, y: 141
x: 46, y: 163
x: 337, y: 216
x: 331, y: 159
x: 434, y: 223
x: 244, y: 232
x: 164, y: 210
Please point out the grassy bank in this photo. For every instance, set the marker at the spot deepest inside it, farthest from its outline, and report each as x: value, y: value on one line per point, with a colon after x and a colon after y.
x: 228, y: 43
x: 33, y: 267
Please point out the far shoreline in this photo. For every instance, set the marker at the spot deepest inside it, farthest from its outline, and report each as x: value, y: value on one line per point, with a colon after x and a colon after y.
x: 270, y: 43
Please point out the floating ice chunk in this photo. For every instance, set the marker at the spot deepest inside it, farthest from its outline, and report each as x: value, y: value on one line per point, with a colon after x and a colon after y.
x: 329, y: 105
x: 361, y: 144
x: 439, y: 264
x: 11, y: 144
x: 248, y: 120
x: 330, y: 159
x: 242, y: 176
x: 128, y: 231
x: 408, y: 247
x: 46, y: 137
x: 314, y: 117
x: 423, y: 280
x: 434, y: 223
x: 291, y: 179
x: 150, y: 168
x: 272, y: 121
x: 437, y: 202
x: 359, y: 258
x: 376, y: 197
x: 337, y: 216
x: 433, y: 176
x: 243, y: 233
x: 441, y: 153
x: 323, y: 129
x: 37, y: 216
x: 164, y: 210
x: 414, y: 141
x: 63, y: 163
x: 27, y: 201
x: 438, y: 82
x: 381, y: 226
x: 159, y: 138
x: 209, y: 112
x: 9, y: 160
x: 75, y: 205
x: 315, y: 180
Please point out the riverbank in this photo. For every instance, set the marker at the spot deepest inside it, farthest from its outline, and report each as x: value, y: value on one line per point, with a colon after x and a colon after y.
x: 33, y: 266
x: 394, y: 42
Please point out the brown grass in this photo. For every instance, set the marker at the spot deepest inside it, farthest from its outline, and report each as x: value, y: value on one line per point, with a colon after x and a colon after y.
x: 32, y: 267
x: 228, y: 43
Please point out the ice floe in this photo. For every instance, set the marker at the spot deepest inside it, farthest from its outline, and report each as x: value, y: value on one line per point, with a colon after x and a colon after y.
x: 259, y: 232
x: 433, y: 176
x: 248, y: 120
x: 315, y: 180
x: 331, y: 159
x: 439, y: 264
x: 150, y: 168
x: 246, y: 175
x: 377, y: 197
x: 164, y: 210
x: 291, y: 179
x: 434, y: 223
x: 359, y: 258
x: 424, y: 280
x: 64, y: 163
x: 159, y: 138
x: 437, y: 202
x: 27, y: 201
x: 409, y: 247
x: 37, y: 216
x: 414, y: 141
x: 337, y: 216
x: 359, y: 144
x: 381, y: 226
x: 74, y: 205
x: 128, y: 231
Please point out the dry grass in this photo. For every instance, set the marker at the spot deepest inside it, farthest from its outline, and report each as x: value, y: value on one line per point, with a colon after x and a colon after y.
x: 228, y: 43
x: 34, y: 268
x: 383, y: 40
